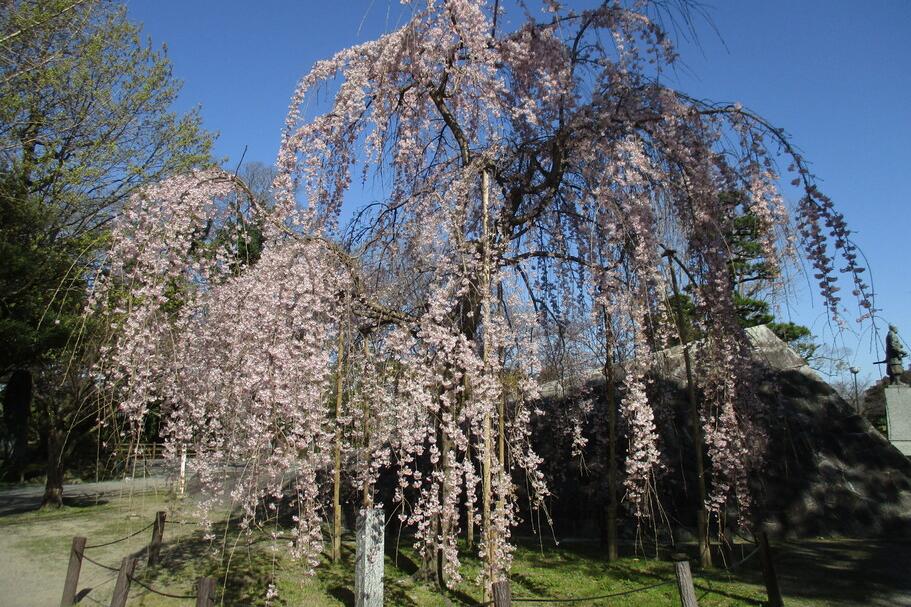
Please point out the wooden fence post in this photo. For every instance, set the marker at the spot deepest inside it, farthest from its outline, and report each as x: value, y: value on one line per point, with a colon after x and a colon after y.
x: 768, y: 572
x: 72, y: 573
x: 205, y: 592
x: 124, y: 577
x: 157, y: 533
x: 502, y: 595
x: 685, y: 584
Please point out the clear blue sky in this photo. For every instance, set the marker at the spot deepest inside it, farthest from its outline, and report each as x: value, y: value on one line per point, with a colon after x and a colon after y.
x: 835, y: 74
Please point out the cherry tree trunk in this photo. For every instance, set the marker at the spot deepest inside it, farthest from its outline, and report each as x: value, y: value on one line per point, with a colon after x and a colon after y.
x: 612, y: 549
x: 469, y: 512
x: 444, y: 524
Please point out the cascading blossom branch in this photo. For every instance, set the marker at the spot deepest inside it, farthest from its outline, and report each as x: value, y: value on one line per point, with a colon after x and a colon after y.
x: 238, y: 357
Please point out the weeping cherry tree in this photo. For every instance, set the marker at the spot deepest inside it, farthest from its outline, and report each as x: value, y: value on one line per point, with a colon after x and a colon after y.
x: 528, y: 176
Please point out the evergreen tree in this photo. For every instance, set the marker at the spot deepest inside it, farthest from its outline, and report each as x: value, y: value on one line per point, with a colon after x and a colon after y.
x: 85, y: 120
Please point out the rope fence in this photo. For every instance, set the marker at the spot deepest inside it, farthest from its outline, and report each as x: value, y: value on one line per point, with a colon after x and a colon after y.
x: 586, y: 598
x: 97, y: 564
x: 159, y: 592
x: 147, y: 527
x: 502, y: 595
x: 737, y: 565
x: 205, y: 587
x: 745, y: 559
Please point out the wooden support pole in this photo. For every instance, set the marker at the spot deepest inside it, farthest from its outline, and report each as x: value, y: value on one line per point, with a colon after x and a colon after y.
x: 488, y: 532
x: 124, y: 577
x: 205, y: 592
x: 157, y: 533
x: 702, y: 513
x: 610, y: 398
x: 685, y: 584
x: 337, y: 451
x: 72, y: 572
x: 502, y: 595
x: 768, y: 571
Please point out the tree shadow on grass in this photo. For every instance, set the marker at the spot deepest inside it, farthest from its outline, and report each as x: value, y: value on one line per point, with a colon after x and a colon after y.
x: 529, y: 586
x: 402, y: 564
x: 242, y: 569
x: 338, y: 580
x: 400, y: 560
x: 12, y: 504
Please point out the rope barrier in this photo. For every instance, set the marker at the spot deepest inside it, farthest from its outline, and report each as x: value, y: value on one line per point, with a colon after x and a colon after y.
x: 160, y: 593
x: 94, y: 562
x: 744, y: 559
x: 587, y: 598
x: 133, y: 579
x: 146, y: 528
x: 591, y: 598
x: 96, y: 587
x: 728, y: 570
x: 83, y: 556
x: 617, y: 594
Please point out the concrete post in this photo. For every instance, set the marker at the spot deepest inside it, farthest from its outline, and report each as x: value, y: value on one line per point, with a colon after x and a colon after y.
x: 368, y: 566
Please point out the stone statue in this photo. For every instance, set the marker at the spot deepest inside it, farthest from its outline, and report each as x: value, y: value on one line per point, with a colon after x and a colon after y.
x: 895, y: 352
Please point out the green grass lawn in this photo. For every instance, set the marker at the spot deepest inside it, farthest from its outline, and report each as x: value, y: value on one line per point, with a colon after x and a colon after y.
x: 555, y: 572
x: 813, y: 573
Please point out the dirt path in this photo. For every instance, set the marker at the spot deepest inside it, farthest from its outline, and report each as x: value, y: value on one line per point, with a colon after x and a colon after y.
x: 35, y: 545
x: 846, y: 572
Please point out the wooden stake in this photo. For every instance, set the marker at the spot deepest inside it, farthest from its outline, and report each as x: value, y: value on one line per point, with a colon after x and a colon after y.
x: 124, y: 577
x: 337, y: 452
x: 205, y: 592
x: 368, y: 558
x: 502, y: 595
x: 702, y: 513
x: 182, y: 479
x: 768, y: 572
x: 157, y: 533
x: 685, y: 584
x: 72, y: 573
